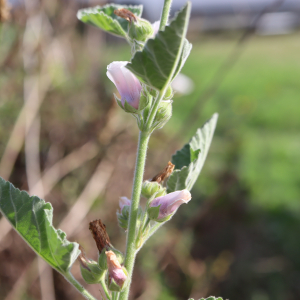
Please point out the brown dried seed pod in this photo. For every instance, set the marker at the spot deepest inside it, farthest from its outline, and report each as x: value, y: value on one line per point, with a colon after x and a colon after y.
x: 100, y: 235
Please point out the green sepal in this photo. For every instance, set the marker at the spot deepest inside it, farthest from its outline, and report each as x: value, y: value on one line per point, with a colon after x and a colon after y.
x: 153, y: 212
x: 140, y: 30
x: 102, y: 260
x: 128, y: 108
x: 149, y: 188
x: 91, y: 273
x: 169, y: 93
x: 136, y: 46
x: 118, y: 101
x: 114, y: 287
x: 120, y: 256
x: 123, y: 217
x: 103, y: 17
x: 144, y: 100
x: 165, y: 219
x: 163, y: 114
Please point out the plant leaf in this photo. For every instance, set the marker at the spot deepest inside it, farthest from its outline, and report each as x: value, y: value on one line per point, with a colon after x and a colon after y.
x: 190, y: 159
x: 163, y: 57
x: 104, y: 17
x: 32, y: 217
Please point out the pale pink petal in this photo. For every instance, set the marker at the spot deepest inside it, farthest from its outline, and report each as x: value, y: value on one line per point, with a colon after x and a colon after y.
x: 170, y: 202
x: 125, y: 81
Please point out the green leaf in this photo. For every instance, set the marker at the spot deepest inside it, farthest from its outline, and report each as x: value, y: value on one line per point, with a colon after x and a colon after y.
x: 163, y: 57
x: 32, y: 219
x: 104, y: 18
x: 190, y: 159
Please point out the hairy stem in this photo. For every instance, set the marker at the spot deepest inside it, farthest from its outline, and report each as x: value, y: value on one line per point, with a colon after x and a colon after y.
x: 154, y: 109
x: 165, y: 14
x: 136, y: 194
x: 78, y: 286
x: 102, y: 282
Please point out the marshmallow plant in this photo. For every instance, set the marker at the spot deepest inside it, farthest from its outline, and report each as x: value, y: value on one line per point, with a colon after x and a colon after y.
x: 159, y: 52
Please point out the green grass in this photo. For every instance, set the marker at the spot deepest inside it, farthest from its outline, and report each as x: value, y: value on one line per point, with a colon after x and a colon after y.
x: 259, y: 108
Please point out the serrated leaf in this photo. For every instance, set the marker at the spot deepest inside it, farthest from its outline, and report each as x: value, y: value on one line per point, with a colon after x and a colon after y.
x: 32, y: 219
x: 104, y: 17
x: 163, y: 57
x: 190, y: 159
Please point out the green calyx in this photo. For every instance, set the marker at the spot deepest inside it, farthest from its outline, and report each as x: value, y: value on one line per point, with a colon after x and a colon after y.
x: 141, y: 30
x: 144, y: 100
x: 91, y: 272
x: 153, y: 213
x: 123, y: 217
x: 150, y: 188
x: 163, y: 114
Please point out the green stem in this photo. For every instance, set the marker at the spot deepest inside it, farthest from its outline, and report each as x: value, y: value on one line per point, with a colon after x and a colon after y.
x: 154, y: 109
x: 165, y: 14
x: 102, y: 282
x: 136, y: 194
x: 78, y: 286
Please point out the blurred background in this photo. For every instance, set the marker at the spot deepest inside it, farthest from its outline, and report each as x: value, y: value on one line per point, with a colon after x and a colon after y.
x: 63, y: 138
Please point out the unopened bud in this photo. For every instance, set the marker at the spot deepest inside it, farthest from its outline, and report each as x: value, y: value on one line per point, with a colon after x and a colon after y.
x: 163, y: 114
x: 102, y: 260
x: 117, y: 275
x: 149, y: 188
x: 124, y: 201
x: 90, y: 271
x: 140, y: 30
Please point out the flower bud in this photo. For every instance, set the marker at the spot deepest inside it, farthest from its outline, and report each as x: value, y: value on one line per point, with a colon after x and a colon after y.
x: 125, y: 81
x: 162, y: 208
x: 140, y: 30
x: 102, y: 260
x: 123, y: 216
x: 163, y: 114
x: 124, y: 201
x: 149, y: 188
x: 90, y: 271
x: 117, y: 275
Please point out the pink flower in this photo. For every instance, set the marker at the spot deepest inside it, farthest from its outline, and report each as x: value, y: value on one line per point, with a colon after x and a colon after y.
x: 127, y: 84
x: 115, y: 270
x: 124, y: 201
x: 155, y: 27
x: 170, y: 202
